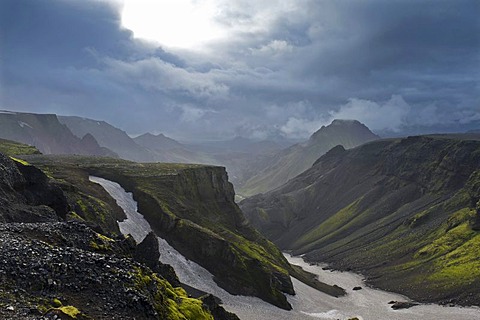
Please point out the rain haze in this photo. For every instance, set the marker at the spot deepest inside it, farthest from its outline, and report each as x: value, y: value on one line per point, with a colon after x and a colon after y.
x: 213, y: 69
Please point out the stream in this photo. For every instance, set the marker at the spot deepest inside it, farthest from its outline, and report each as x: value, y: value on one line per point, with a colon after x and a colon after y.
x: 308, y: 303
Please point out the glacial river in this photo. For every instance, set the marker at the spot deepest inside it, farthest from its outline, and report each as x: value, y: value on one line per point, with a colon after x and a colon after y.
x: 308, y: 303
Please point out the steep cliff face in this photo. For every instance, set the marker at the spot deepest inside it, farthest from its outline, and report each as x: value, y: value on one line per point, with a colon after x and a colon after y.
x: 192, y: 207
x: 402, y: 211
x: 26, y: 194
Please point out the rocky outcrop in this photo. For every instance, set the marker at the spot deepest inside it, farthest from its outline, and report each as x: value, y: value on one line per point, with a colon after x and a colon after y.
x: 404, y: 212
x: 27, y: 195
x: 397, y: 305
x: 147, y: 253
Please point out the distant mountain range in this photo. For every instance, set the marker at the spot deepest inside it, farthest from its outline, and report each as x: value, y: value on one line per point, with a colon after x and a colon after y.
x: 294, y: 160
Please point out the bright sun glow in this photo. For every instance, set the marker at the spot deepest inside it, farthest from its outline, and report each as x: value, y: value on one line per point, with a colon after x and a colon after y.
x: 173, y: 23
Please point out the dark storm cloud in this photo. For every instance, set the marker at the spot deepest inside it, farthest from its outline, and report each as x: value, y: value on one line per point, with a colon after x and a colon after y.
x: 53, y: 60
x: 284, y: 69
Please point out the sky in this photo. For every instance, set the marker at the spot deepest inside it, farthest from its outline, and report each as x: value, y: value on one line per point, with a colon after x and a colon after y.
x: 214, y: 69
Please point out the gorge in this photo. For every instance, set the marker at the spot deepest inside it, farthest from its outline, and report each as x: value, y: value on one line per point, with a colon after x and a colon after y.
x: 307, y: 303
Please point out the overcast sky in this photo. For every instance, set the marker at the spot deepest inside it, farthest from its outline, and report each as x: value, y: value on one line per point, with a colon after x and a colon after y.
x: 253, y: 68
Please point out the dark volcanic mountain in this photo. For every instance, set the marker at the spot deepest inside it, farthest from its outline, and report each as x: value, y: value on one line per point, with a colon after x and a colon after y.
x: 46, y: 133
x: 404, y: 212
x: 298, y: 158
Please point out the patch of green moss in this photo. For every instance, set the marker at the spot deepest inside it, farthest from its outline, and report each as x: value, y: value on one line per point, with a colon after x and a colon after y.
x: 419, y: 218
x: 460, y: 266
x: 70, y: 311
x: 331, y: 225
x: 172, y: 303
x: 451, y: 240
x: 25, y: 163
x: 72, y: 215
x: 93, y: 209
x: 189, y: 308
x: 12, y: 148
x: 56, y: 303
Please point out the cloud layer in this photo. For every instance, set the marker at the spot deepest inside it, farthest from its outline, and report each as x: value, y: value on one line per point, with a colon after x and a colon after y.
x: 286, y: 67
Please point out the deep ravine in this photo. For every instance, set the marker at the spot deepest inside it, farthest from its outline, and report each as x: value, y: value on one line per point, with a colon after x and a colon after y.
x: 308, y: 303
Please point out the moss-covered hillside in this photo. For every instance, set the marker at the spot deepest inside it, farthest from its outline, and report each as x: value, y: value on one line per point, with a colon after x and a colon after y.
x: 405, y: 212
x: 12, y: 148
x: 192, y: 207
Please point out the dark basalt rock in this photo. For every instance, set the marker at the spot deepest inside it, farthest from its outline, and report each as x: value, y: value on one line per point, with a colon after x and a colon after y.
x: 38, y: 190
x: 396, y: 305
x: 26, y: 194
x: 40, y: 262
x: 218, y: 312
x: 147, y: 253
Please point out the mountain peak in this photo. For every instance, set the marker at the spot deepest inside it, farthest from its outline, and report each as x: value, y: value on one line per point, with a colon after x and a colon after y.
x: 345, y: 122
x: 157, y: 142
x: 344, y: 127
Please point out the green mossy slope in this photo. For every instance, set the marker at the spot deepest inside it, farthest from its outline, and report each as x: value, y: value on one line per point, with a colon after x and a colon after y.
x: 404, y: 212
x: 11, y: 148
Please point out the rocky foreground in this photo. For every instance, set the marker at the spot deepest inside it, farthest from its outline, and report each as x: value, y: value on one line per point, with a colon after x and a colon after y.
x: 67, y: 270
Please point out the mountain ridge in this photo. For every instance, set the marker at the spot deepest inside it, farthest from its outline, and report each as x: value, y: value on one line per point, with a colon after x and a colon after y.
x: 388, y: 209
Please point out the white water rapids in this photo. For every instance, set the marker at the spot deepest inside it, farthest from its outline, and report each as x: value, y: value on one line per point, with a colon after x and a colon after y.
x: 308, y: 303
